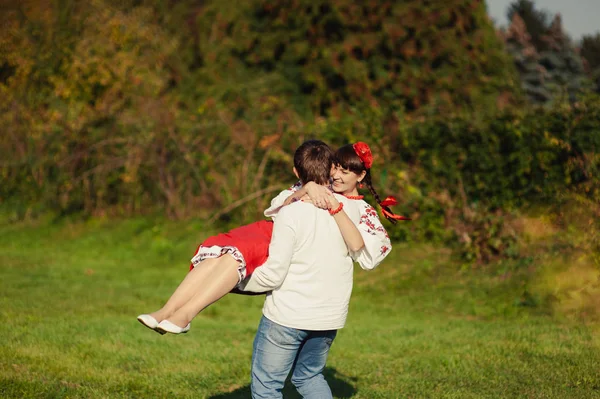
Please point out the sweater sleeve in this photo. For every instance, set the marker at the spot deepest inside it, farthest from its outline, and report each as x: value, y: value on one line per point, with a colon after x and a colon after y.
x: 377, y: 242
x: 272, y: 273
x: 277, y: 202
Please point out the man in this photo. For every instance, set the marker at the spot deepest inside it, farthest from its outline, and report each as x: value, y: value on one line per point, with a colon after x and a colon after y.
x: 309, y: 271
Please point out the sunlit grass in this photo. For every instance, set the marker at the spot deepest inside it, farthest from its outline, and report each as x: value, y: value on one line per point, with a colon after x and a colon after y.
x: 419, y: 327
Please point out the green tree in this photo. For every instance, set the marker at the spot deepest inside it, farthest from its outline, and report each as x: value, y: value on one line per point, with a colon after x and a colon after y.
x: 526, y: 59
x: 590, y: 51
x: 403, y: 55
x: 550, y: 74
x: 536, y: 21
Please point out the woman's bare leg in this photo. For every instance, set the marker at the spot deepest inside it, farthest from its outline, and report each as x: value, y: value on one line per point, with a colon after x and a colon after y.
x: 222, y: 279
x: 187, y: 288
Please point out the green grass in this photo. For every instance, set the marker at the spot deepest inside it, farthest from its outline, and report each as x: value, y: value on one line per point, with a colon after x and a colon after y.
x: 419, y: 327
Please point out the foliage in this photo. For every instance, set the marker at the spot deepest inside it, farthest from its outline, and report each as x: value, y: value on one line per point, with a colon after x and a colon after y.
x: 75, y: 125
x: 551, y: 72
x: 108, y: 130
x: 402, y: 55
x: 461, y: 179
x: 537, y: 22
x: 590, y: 51
x: 122, y: 108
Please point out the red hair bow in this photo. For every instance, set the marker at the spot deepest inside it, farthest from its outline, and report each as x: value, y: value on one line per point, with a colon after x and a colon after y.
x: 364, y: 153
x: 389, y: 201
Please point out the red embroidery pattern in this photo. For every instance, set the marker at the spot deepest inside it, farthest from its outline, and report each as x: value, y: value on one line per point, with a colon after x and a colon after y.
x: 371, y: 220
x: 377, y: 241
x: 217, y: 251
x: 384, y: 249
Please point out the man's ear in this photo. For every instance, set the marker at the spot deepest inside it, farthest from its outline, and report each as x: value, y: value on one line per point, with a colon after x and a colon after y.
x: 296, y: 172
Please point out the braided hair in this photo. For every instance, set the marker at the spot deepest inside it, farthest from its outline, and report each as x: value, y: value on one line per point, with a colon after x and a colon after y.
x: 347, y: 158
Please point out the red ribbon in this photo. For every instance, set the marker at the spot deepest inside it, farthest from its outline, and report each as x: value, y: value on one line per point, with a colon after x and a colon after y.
x: 394, y: 216
x: 389, y: 201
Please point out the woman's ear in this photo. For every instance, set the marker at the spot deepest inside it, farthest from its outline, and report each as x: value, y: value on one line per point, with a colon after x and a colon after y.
x: 362, y: 176
x: 296, y: 172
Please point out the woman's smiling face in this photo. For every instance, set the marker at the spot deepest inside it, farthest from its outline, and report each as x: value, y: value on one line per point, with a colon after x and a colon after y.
x: 345, y: 181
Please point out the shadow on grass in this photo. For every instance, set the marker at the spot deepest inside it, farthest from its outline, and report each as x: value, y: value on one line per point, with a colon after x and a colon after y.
x: 339, y: 383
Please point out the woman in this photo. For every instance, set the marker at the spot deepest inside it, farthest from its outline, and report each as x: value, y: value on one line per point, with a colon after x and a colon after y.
x: 221, y: 262
x: 353, y: 170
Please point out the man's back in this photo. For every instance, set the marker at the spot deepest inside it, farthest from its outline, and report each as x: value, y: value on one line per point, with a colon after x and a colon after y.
x: 316, y: 291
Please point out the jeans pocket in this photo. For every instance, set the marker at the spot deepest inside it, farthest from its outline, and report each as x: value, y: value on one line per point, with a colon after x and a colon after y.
x: 282, y: 336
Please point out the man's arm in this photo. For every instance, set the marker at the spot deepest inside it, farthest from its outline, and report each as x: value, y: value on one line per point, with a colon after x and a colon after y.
x: 272, y: 273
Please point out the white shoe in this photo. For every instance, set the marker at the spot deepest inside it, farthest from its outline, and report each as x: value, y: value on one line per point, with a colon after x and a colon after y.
x: 166, y: 326
x: 149, y: 322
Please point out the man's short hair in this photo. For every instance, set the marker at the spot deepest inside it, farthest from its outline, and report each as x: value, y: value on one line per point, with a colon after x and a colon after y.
x: 313, y: 161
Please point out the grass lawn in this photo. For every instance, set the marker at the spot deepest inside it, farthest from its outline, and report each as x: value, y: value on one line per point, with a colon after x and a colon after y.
x: 418, y: 326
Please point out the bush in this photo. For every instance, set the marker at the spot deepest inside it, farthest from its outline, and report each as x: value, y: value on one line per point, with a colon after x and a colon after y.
x: 132, y: 118
x: 334, y: 53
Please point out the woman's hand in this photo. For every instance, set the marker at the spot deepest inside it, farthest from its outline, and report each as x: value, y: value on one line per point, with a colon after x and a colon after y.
x: 320, y: 196
x: 313, y: 193
x: 334, y: 202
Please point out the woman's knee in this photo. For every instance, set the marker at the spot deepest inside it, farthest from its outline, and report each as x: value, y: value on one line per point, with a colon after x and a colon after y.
x: 226, y: 260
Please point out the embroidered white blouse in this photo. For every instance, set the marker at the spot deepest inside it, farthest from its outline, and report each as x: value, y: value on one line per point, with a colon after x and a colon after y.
x: 365, y: 217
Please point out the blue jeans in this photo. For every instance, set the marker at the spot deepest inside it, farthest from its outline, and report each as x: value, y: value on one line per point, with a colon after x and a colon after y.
x: 278, y: 349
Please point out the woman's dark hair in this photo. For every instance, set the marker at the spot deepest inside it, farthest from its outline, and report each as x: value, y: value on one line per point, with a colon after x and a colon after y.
x: 347, y: 158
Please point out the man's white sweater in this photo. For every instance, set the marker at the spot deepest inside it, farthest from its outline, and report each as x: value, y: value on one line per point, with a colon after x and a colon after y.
x: 309, y: 269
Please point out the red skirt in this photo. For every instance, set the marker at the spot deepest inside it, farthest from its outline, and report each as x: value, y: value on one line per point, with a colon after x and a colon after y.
x: 251, y: 240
